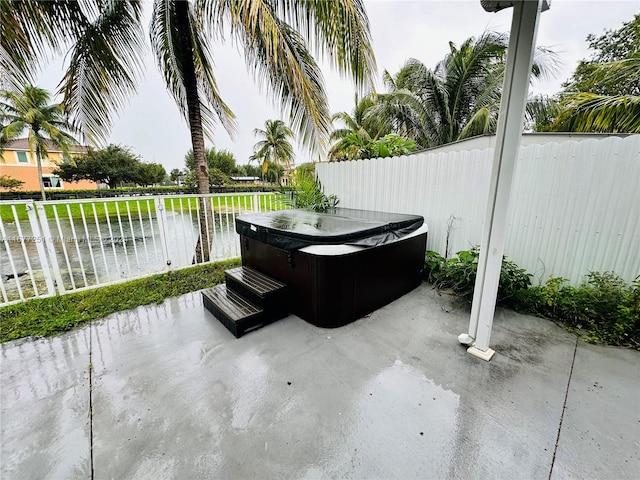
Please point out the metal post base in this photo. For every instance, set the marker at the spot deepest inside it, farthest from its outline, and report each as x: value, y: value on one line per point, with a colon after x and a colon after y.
x: 484, y: 355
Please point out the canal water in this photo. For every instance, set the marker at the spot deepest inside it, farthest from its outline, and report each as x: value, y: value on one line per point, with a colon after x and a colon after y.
x: 111, y: 250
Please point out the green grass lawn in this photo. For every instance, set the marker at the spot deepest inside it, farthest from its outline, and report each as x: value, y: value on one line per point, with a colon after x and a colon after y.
x: 53, y: 315
x: 144, y: 205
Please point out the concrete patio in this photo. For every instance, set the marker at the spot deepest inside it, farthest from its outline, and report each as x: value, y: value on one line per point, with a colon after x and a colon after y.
x: 167, y: 392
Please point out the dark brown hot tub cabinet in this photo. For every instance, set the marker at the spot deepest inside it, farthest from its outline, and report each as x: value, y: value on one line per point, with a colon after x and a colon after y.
x: 338, y: 266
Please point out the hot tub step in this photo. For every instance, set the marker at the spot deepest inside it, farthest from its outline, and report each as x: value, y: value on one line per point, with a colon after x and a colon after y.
x: 234, y: 312
x: 260, y: 289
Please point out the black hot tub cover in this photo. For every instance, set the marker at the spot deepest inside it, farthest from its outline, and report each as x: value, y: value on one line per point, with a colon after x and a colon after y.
x: 294, y: 229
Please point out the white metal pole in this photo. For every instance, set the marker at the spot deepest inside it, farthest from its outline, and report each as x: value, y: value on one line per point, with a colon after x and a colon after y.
x: 508, y: 136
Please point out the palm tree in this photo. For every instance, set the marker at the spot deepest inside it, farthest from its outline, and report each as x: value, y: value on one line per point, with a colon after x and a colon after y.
x: 459, y: 98
x: 29, y: 109
x: 274, y: 149
x: 106, y: 55
x: 591, y: 112
x: 540, y: 113
x: 362, y: 124
x: 105, y: 44
x: 361, y: 120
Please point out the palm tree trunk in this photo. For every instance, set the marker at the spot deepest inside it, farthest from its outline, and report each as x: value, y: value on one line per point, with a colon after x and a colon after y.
x: 202, y: 253
x: 39, y: 163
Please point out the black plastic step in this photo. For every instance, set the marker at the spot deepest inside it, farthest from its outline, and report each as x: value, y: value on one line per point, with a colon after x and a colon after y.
x: 261, y: 290
x: 234, y: 312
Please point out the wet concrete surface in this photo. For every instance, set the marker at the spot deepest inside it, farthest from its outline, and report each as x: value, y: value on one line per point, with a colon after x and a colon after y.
x: 393, y: 395
x: 44, y: 410
x: 603, y: 411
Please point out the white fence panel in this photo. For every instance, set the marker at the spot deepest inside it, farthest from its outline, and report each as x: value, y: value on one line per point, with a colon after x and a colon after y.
x: 575, y: 206
x: 24, y: 268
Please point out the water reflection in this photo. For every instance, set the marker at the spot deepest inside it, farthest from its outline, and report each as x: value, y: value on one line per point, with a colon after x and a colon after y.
x: 398, y: 411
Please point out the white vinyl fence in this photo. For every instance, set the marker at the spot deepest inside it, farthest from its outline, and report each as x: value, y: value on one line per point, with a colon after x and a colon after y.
x: 69, y: 245
x: 575, y: 206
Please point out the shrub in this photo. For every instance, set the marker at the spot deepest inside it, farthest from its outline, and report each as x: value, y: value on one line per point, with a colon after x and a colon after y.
x: 458, y: 274
x: 604, y: 308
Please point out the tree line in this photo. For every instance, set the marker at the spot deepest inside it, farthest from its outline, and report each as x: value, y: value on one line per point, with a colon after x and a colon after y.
x: 459, y: 98
x: 114, y: 166
x: 421, y: 107
x: 273, y: 154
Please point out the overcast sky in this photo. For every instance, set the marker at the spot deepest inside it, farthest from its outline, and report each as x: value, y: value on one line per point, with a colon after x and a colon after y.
x: 401, y: 29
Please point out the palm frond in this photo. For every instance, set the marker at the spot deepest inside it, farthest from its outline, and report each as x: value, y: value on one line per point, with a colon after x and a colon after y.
x: 546, y: 63
x: 105, y: 64
x: 389, y: 81
x: 411, y: 116
x: 625, y: 72
x: 339, y: 29
x: 540, y: 112
x: 588, y: 112
x: 466, y: 72
x: 339, y: 134
x: 33, y: 31
x: 173, y: 61
x: 279, y: 58
x: 11, y: 130
x: 482, y: 122
x: 346, y: 119
x: 29, y: 108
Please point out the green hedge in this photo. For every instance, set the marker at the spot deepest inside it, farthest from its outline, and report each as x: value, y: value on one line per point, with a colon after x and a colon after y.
x: 125, y: 191
x: 603, y: 309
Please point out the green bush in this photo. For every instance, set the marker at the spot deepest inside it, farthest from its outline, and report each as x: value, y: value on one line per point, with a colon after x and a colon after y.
x: 132, y: 191
x: 458, y: 274
x: 604, y: 308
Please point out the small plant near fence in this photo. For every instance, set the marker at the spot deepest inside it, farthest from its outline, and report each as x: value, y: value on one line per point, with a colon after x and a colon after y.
x: 604, y: 309
x: 458, y: 274
x: 308, y: 194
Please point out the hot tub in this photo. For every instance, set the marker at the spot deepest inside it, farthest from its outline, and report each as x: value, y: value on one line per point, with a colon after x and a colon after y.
x: 339, y: 266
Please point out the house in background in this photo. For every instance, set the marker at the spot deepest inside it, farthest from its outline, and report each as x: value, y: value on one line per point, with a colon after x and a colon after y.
x: 246, y: 180
x: 17, y: 162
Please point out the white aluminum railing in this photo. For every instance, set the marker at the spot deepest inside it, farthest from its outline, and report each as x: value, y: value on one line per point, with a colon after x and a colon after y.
x: 63, y: 246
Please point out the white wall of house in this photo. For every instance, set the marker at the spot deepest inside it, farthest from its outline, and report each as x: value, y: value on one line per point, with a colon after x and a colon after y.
x: 575, y: 205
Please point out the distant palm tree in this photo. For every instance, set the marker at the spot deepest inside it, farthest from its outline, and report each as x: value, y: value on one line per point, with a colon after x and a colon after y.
x: 459, y: 98
x: 590, y: 112
x: 29, y: 109
x: 274, y: 149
